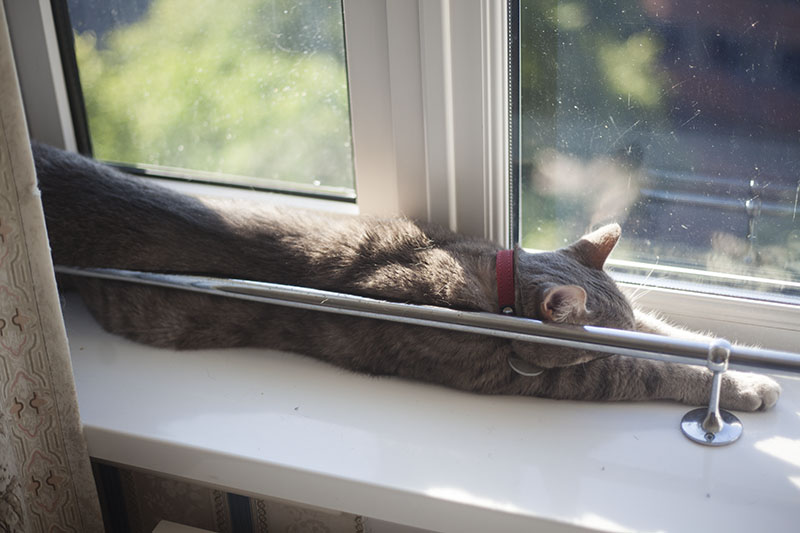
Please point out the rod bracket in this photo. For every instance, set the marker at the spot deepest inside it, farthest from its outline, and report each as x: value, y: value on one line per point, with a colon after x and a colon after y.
x: 712, y: 426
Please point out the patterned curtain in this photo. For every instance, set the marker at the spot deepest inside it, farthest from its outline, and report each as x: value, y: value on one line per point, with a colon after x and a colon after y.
x: 46, y: 482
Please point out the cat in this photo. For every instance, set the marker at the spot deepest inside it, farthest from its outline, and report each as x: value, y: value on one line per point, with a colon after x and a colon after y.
x: 97, y: 216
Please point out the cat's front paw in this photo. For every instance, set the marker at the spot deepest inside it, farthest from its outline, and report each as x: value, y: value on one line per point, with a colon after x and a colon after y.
x: 744, y: 391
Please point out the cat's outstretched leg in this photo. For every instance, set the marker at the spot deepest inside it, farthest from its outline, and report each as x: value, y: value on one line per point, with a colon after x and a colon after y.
x: 629, y: 378
x: 741, y: 390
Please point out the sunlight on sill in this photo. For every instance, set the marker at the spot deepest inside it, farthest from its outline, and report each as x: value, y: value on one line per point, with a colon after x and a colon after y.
x: 458, y: 495
x: 782, y: 448
x: 601, y: 523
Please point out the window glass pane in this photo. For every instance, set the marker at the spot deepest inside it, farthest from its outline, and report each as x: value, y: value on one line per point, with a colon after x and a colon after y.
x: 248, y: 91
x: 680, y: 120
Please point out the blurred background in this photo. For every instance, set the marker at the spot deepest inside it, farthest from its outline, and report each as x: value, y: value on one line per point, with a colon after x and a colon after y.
x: 678, y: 119
x: 230, y: 90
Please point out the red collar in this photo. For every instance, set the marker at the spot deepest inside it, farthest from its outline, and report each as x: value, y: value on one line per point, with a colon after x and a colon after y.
x: 505, y: 281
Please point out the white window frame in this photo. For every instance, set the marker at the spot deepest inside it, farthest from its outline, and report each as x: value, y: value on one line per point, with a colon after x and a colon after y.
x: 438, y: 151
x: 41, y: 77
x: 429, y: 108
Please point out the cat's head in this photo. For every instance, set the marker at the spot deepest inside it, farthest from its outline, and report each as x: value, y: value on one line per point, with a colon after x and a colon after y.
x: 569, y: 286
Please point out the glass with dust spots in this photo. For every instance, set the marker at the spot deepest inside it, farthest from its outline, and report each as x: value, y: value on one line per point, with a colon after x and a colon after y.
x: 242, y: 92
x: 680, y: 121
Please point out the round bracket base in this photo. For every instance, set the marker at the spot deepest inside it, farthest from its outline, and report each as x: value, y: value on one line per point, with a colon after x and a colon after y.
x: 692, y: 427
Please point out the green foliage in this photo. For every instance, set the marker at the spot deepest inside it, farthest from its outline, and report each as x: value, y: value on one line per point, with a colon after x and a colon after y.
x: 629, y: 67
x: 243, y: 87
x: 585, y: 61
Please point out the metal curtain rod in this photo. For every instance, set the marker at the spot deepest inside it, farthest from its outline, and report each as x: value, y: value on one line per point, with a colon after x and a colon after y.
x: 607, y: 340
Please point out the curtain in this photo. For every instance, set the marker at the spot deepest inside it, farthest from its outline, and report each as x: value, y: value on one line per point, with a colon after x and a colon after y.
x: 46, y: 481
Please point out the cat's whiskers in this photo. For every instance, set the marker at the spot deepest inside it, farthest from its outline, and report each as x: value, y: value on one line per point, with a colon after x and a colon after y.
x: 642, y: 286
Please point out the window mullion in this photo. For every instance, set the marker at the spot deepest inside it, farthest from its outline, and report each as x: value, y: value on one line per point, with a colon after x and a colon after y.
x: 466, y: 115
x: 44, y: 92
x: 366, y: 45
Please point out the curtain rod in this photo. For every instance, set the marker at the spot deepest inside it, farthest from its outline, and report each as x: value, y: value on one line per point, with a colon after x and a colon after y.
x: 606, y: 340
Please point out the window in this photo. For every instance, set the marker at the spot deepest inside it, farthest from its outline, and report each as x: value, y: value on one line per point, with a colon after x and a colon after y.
x: 245, y: 92
x: 678, y: 120
x: 428, y: 104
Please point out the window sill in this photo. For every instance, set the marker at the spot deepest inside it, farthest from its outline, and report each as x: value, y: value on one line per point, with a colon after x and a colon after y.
x: 285, y: 426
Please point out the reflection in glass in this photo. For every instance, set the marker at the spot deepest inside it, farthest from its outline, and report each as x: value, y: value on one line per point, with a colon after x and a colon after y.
x: 251, y: 91
x: 680, y: 120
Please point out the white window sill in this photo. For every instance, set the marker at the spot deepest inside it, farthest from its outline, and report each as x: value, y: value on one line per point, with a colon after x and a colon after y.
x: 286, y: 426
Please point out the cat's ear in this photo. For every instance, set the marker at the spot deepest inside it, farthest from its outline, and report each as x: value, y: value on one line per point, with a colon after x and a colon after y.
x: 562, y: 303
x: 593, y: 249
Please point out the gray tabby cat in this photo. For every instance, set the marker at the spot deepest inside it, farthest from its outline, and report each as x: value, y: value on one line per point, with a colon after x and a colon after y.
x: 99, y: 217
